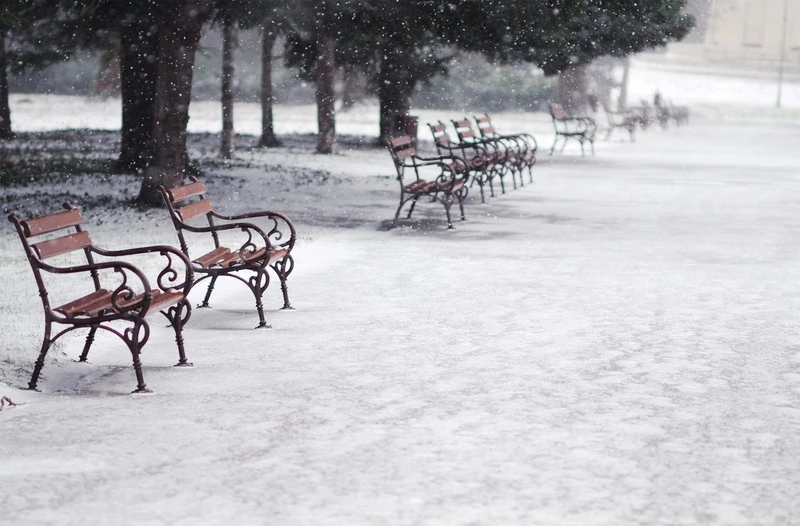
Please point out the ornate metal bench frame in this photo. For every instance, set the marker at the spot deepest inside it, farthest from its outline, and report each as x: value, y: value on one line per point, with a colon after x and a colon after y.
x: 475, y: 157
x: 448, y: 185
x: 264, y: 248
x: 582, y: 129
x: 101, y: 308
x: 522, y: 146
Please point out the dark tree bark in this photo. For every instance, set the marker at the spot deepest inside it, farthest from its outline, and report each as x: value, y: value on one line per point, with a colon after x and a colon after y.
x: 394, y: 93
x: 571, y: 90
x: 268, y: 138
x: 228, y: 45
x: 326, y: 94
x: 138, y: 58
x: 181, y: 22
x: 107, y: 83
x: 353, y: 89
x: 5, y: 110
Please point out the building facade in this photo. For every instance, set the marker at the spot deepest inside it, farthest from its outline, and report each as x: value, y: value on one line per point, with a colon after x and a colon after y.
x: 754, y: 35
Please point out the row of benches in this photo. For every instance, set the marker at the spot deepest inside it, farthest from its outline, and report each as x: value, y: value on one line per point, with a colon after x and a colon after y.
x: 480, y: 155
x: 643, y: 116
x: 131, y: 297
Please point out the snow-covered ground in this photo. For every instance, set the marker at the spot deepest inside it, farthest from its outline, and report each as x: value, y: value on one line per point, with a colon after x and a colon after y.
x: 614, y: 344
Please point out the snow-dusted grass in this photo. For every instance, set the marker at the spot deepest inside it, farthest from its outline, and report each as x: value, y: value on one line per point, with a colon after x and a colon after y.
x: 614, y: 344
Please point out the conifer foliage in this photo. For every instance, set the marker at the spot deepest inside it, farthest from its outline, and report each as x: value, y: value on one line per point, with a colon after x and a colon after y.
x: 397, y: 44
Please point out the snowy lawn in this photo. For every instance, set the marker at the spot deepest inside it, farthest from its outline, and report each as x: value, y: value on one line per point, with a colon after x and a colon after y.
x: 614, y: 344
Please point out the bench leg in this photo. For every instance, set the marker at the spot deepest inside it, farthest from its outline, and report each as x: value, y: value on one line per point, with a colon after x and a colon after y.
x: 209, y: 290
x: 258, y: 284
x: 37, y: 369
x: 411, y: 210
x: 555, y: 143
x: 136, y: 337
x: 447, y: 204
x: 480, y: 182
x: 283, y: 268
x: 178, y: 315
x: 461, y: 193
x: 89, y: 341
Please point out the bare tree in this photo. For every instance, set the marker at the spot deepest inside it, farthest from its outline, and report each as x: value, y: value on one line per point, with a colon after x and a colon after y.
x: 268, y: 36
x: 326, y: 94
x: 5, y: 110
x: 181, y: 22
x: 229, y: 30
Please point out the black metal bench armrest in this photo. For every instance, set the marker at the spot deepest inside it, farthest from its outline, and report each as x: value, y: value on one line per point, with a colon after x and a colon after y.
x: 122, y: 292
x: 168, y: 276
x: 248, y: 228
x: 274, y: 233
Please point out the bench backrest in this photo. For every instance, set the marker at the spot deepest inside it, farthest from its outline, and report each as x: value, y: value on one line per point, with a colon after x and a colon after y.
x: 557, y: 111
x: 464, y: 130
x: 440, y: 135
x: 64, y: 243
x: 485, y: 126
x: 185, y: 203
x: 401, y: 148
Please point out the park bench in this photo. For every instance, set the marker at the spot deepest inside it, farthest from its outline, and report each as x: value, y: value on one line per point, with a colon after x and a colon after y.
x: 680, y: 114
x: 475, y: 158
x: 581, y: 129
x: 445, y: 178
x: 500, y: 157
x: 626, y: 119
x: 263, y: 248
x: 522, y: 145
x: 119, y: 291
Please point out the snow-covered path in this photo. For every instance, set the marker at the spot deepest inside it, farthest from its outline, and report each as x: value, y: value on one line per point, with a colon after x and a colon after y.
x: 616, y: 344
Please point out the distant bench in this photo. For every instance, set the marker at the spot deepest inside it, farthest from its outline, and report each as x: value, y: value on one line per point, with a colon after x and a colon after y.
x: 582, y: 129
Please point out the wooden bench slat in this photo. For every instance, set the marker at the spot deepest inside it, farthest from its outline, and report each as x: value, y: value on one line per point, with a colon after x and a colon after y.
x: 52, y: 222
x: 277, y: 253
x: 212, y: 257
x: 400, y: 141
x: 61, y: 245
x: 159, y: 300
x: 181, y: 193
x: 90, y: 305
x: 195, y: 209
x: 404, y: 154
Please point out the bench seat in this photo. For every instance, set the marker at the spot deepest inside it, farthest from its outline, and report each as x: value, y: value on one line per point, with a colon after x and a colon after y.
x: 226, y: 258
x: 95, y: 303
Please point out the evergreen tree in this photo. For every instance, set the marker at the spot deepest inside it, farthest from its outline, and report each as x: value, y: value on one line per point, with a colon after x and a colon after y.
x: 33, y: 35
x: 560, y: 35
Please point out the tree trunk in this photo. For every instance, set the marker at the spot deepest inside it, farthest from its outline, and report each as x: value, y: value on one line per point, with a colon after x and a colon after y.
x: 138, y: 58
x: 268, y: 137
x: 394, y: 94
x: 353, y: 90
x: 228, y: 45
x: 179, y: 33
x: 5, y: 110
x: 571, y: 90
x: 107, y: 83
x: 326, y: 94
x: 623, y: 87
